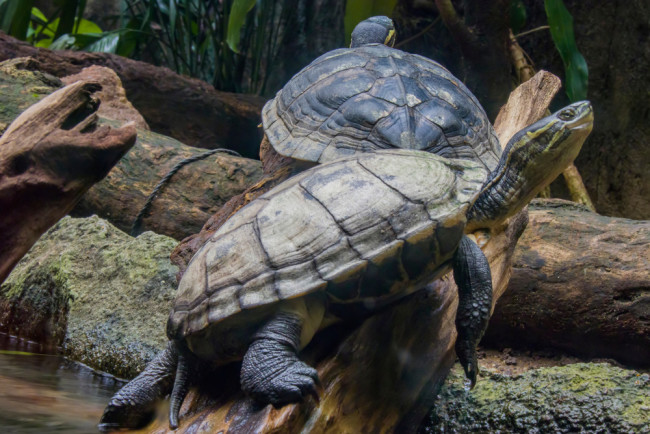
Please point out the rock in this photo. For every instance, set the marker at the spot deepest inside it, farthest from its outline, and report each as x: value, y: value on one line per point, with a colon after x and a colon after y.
x: 185, y: 108
x: 114, y: 104
x: 99, y: 294
x: 582, y: 397
x: 580, y: 283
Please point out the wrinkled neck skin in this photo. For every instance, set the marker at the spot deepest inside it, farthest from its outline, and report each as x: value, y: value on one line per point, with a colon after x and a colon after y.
x: 526, y: 167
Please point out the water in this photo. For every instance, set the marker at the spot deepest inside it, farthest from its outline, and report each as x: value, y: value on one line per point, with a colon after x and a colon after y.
x: 43, y: 393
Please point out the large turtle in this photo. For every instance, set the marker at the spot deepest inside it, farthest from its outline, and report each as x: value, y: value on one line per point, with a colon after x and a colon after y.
x: 357, y: 232
x: 372, y: 96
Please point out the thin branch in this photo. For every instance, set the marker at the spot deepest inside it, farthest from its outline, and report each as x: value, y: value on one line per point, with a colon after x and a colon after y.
x: 420, y: 33
x: 528, y: 32
x: 453, y: 22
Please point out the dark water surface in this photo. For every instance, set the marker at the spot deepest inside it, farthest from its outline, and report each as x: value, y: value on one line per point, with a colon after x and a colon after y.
x: 42, y: 393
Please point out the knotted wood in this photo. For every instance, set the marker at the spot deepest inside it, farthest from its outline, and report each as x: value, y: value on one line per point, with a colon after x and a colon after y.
x: 382, y: 375
x: 49, y: 156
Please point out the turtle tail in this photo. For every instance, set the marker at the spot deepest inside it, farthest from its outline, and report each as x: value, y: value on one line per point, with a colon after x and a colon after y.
x: 181, y: 387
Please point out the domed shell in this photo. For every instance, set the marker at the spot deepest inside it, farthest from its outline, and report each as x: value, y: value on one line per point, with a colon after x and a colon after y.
x: 366, y: 229
x: 353, y: 100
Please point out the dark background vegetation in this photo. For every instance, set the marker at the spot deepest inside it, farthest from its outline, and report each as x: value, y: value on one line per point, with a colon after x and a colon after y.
x: 254, y: 47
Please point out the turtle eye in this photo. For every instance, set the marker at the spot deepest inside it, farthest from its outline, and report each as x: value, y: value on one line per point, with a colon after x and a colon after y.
x: 567, y: 114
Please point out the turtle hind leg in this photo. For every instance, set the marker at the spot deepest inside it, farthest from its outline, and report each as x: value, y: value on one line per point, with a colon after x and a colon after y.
x: 271, y: 371
x: 133, y: 406
x: 474, y: 281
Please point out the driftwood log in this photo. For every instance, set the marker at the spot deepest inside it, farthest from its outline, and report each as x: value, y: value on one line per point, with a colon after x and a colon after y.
x: 49, y: 156
x: 581, y: 284
x: 191, y: 196
x: 183, y: 205
x: 383, y: 375
x: 185, y: 108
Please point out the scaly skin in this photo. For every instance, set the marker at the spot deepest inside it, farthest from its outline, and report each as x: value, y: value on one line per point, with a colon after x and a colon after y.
x: 474, y: 280
x: 271, y: 371
x: 133, y: 406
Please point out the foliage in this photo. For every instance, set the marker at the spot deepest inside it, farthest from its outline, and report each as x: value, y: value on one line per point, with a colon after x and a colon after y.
x: 229, y: 43
x: 561, y: 26
x: 575, y: 66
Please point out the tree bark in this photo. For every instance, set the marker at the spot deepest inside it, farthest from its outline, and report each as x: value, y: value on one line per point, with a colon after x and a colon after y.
x: 185, y: 108
x: 181, y: 208
x: 49, y: 156
x: 581, y: 284
x: 381, y: 376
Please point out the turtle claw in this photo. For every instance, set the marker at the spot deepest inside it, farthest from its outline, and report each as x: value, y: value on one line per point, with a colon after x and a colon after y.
x: 119, y: 415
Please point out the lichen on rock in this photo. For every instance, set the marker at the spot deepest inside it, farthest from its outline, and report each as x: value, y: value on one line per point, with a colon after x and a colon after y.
x: 96, y: 292
x: 582, y: 397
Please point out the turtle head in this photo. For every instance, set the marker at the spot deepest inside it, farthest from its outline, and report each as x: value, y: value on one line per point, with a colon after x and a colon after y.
x: 532, y: 159
x: 374, y: 30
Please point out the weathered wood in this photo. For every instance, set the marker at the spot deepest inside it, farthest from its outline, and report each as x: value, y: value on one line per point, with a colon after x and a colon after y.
x: 192, y: 195
x: 178, y: 106
x: 581, y: 284
x: 183, y: 205
x: 381, y: 376
x: 49, y: 156
x: 276, y: 169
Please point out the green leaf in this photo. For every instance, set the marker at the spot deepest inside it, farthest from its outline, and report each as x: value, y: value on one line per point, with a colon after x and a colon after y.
x: 357, y: 11
x: 517, y: 16
x: 575, y: 66
x: 238, y: 12
x: 15, y: 17
x: 85, y: 26
x: 107, y: 44
x: 66, y: 17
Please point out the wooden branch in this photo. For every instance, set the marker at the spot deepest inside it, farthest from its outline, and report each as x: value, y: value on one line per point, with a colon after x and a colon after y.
x: 380, y: 376
x: 49, y: 156
x: 538, y: 93
x: 581, y: 284
x: 192, y: 195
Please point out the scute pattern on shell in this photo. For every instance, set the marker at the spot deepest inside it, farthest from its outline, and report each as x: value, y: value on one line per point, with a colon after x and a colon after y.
x: 353, y: 100
x: 361, y: 228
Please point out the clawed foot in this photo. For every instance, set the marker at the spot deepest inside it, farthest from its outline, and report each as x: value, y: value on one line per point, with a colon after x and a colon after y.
x: 288, y: 386
x: 119, y: 414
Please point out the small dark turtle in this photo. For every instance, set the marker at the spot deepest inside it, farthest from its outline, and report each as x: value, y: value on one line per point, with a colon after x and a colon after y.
x: 371, y: 96
x: 365, y: 230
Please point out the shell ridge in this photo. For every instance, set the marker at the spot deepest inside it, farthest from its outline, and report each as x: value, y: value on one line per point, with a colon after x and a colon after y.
x: 399, y: 193
x: 267, y: 257
x: 304, y: 189
x: 296, y: 97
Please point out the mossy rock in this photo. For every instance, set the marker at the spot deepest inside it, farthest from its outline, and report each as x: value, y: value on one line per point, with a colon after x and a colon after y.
x: 577, y: 398
x: 98, y: 293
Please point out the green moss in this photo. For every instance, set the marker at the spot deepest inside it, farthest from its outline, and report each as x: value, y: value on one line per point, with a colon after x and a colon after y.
x: 575, y: 398
x: 106, y: 295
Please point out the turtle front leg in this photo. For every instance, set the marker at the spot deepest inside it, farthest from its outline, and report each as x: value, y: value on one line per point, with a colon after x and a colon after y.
x: 474, y: 281
x: 271, y: 371
x: 133, y: 406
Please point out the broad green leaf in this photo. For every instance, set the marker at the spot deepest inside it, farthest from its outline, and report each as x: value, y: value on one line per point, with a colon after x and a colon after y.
x: 357, y: 11
x: 238, y: 12
x: 63, y: 42
x: 15, y: 17
x: 85, y: 26
x: 38, y: 15
x: 107, y: 44
x: 66, y: 17
x: 517, y: 16
x: 560, y: 22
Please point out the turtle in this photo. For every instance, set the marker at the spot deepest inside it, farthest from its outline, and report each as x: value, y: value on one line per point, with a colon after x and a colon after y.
x: 373, y: 96
x: 357, y: 232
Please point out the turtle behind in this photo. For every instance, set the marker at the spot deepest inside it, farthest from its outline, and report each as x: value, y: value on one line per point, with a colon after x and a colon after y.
x: 372, y: 96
